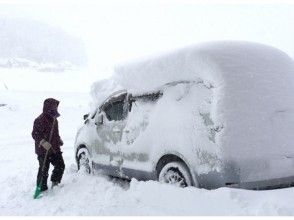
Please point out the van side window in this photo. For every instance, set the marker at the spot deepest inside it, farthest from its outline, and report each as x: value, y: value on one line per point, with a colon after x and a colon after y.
x: 115, y: 111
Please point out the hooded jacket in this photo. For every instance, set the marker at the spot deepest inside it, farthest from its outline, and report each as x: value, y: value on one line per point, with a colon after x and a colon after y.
x: 42, y: 128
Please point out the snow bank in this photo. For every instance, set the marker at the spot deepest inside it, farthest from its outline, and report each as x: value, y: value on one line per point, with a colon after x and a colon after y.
x: 252, y: 102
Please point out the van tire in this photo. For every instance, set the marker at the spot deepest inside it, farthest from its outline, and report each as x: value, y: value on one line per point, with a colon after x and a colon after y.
x: 84, y: 161
x: 175, y: 173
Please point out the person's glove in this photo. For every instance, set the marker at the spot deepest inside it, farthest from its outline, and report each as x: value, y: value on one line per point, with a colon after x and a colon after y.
x: 45, y: 144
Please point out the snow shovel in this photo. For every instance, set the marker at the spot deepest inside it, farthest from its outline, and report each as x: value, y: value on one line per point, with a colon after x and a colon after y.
x: 38, y: 189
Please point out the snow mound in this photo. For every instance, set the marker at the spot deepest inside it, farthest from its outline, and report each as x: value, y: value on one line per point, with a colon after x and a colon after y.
x: 214, y: 62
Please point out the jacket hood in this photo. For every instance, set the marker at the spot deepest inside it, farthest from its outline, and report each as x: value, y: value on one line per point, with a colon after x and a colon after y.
x: 50, y: 107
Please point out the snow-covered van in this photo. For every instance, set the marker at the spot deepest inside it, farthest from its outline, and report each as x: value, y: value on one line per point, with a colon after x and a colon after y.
x: 212, y: 115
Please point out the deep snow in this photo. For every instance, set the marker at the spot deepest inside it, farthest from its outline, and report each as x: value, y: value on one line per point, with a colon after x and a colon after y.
x: 96, y: 194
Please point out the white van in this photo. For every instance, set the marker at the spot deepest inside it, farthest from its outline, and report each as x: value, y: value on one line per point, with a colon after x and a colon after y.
x: 216, y: 114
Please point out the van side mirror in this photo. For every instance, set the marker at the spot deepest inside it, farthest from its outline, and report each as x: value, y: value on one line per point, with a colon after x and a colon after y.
x: 86, y: 116
x: 99, y: 120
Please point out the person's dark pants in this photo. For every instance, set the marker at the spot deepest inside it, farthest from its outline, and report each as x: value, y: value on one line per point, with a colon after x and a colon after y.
x: 57, y: 161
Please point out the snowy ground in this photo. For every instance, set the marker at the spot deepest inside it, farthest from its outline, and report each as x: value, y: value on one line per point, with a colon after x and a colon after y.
x: 95, y: 194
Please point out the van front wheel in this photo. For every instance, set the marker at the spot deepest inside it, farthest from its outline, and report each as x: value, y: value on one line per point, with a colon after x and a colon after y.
x: 84, y: 160
x: 175, y: 173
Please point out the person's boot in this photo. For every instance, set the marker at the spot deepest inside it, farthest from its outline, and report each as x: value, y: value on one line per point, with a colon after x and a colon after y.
x: 44, y: 191
x: 54, y: 184
x: 44, y: 188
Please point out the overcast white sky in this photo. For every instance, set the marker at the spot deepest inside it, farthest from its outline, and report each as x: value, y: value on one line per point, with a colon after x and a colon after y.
x: 122, y: 30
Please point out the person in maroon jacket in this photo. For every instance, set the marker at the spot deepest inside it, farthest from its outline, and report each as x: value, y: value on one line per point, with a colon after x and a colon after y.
x: 46, y: 135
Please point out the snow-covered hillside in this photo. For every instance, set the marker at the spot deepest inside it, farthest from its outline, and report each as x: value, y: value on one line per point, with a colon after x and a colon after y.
x: 26, y: 42
x: 95, y: 194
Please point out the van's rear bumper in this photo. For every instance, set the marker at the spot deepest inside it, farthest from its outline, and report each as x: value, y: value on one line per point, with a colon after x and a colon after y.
x: 276, y: 183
